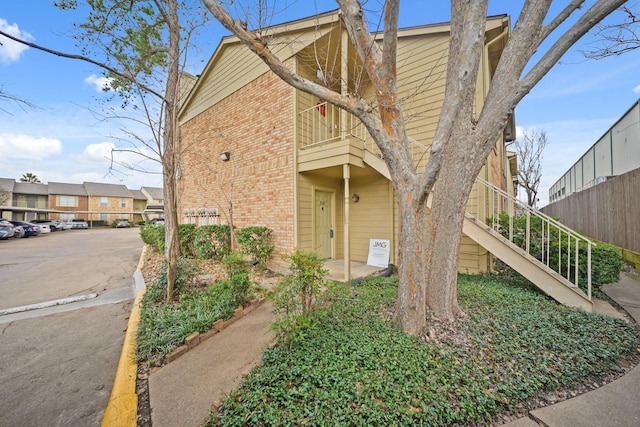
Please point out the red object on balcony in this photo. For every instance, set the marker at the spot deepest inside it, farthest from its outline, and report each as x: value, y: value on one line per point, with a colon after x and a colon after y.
x: 322, y: 108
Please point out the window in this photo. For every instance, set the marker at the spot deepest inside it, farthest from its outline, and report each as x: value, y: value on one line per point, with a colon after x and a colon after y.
x: 41, y: 203
x: 104, y: 217
x: 68, y: 201
x: 123, y: 202
x: 67, y: 217
x: 104, y: 202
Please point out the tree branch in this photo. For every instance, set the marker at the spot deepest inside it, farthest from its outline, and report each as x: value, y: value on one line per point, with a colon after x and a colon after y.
x: 81, y: 58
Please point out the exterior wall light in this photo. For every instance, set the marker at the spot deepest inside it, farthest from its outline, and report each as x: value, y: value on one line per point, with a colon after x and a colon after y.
x: 225, y: 156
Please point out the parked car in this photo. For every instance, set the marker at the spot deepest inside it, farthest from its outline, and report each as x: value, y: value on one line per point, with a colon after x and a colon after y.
x: 18, y: 231
x: 123, y: 223
x: 6, y: 229
x: 79, y: 223
x: 29, y: 228
x: 157, y: 221
x: 62, y: 225
x: 51, y: 224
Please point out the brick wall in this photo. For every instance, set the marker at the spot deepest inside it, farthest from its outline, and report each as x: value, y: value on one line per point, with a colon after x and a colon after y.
x: 255, y: 124
x: 82, y: 205
x: 113, y: 209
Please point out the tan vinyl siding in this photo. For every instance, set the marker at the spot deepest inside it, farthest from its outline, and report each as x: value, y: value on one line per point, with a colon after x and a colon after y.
x: 370, y: 215
x: 233, y: 66
x: 307, y: 184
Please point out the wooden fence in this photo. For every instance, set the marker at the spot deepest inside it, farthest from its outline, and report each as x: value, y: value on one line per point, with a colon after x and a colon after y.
x: 609, y: 212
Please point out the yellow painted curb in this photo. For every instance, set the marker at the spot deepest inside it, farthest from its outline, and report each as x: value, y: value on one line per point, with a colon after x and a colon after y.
x: 122, y: 410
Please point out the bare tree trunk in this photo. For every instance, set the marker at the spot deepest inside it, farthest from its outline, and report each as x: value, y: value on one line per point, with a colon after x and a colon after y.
x: 411, y: 302
x: 170, y: 137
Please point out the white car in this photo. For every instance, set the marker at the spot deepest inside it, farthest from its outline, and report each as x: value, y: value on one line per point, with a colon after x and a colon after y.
x: 79, y: 223
x: 44, y: 228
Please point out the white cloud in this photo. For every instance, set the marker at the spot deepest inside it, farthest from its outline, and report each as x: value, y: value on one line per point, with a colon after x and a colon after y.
x: 10, y: 50
x: 99, y: 153
x: 636, y: 89
x: 28, y: 147
x: 99, y: 83
x: 126, y: 162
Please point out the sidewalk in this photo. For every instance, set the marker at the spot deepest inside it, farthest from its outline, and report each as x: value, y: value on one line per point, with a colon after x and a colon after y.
x: 182, y: 392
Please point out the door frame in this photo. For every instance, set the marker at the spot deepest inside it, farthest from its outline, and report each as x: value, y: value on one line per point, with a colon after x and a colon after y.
x: 332, y: 192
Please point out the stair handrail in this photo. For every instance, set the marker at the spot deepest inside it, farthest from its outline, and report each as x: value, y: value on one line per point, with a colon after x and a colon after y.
x: 546, y: 229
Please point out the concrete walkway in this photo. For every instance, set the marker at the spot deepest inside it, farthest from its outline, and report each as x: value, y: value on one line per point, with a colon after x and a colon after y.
x: 183, y: 391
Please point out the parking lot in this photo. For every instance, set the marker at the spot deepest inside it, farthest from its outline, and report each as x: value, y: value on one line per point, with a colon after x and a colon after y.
x: 57, y: 364
x: 66, y: 264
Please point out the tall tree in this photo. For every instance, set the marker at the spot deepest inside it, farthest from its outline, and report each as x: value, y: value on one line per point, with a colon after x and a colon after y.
x: 529, y: 150
x: 144, y: 44
x: 428, y: 254
x: 621, y: 36
x: 29, y: 177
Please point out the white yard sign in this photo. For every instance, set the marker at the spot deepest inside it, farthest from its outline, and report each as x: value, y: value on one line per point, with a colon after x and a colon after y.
x: 378, y: 253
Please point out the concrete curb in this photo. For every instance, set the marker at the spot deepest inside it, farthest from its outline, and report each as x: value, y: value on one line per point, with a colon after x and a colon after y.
x: 47, y: 304
x: 122, y: 409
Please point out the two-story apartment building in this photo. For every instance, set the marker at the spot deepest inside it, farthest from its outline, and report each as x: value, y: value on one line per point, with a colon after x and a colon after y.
x: 109, y: 202
x: 90, y: 201
x: 70, y: 198
x: 259, y: 152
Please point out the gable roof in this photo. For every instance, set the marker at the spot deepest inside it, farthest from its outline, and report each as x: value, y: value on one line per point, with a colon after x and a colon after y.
x: 138, y: 195
x: 106, y: 190
x: 155, y: 193
x: 7, y: 184
x: 63, y: 188
x: 232, y: 64
x: 285, y: 40
x: 30, y: 188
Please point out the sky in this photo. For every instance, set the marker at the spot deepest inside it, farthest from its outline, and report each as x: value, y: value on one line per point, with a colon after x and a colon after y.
x: 62, y: 136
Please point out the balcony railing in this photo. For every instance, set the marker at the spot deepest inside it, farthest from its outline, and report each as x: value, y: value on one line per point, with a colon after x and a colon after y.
x: 325, y: 122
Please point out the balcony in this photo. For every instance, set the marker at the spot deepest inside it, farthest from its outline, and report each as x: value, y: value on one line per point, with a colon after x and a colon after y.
x: 329, y: 136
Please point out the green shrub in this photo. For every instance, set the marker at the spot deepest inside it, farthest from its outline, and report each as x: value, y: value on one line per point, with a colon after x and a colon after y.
x: 213, y: 241
x: 295, y: 298
x: 234, y: 264
x: 150, y: 235
x: 187, y: 240
x: 240, y: 288
x: 256, y: 243
x: 606, y: 260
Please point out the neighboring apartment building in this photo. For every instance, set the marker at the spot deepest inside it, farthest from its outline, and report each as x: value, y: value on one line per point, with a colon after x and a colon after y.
x: 109, y: 202
x: 32, y: 197
x: 90, y: 201
x: 260, y: 152
x: 615, y: 153
x: 71, y: 198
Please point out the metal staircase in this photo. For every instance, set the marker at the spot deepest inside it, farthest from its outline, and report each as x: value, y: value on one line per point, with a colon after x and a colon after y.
x: 541, y: 249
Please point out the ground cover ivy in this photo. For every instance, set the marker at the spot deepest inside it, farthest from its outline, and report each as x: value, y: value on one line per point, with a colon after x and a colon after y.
x: 354, y: 367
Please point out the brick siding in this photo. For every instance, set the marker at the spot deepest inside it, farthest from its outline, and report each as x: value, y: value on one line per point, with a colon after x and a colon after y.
x: 254, y: 124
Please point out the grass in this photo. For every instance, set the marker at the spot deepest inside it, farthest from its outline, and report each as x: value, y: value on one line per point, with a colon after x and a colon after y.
x: 353, y: 367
